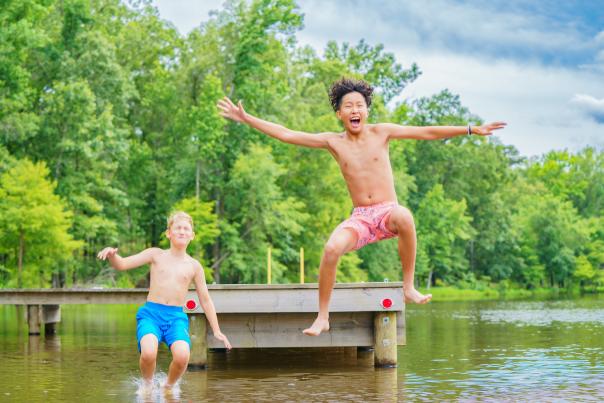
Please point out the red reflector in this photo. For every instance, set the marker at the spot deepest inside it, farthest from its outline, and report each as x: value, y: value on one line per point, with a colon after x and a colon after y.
x: 387, y: 303
x: 191, y: 304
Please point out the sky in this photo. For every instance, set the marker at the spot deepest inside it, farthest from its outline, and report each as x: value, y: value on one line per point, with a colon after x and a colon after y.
x: 537, y: 65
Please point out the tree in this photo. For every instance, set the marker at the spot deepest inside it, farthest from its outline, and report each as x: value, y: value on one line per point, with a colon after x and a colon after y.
x: 35, y: 224
x: 260, y: 216
x: 578, y: 178
x: 22, y: 31
x: 550, y: 233
x: 442, y: 225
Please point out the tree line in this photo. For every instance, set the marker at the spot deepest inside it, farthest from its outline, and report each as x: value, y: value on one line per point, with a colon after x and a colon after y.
x: 108, y: 122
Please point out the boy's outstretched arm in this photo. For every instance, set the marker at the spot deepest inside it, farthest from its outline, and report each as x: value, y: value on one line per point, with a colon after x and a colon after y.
x: 208, y: 305
x: 130, y: 262
x: 438, y: 132
x: 236, y: 113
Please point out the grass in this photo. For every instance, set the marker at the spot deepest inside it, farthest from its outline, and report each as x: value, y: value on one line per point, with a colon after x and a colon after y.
x: 457, y: 294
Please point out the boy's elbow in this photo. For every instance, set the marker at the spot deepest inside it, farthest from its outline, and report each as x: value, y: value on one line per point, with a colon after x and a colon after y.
x: 206, y: 304
x: 430, y: 136
x: 118, y: 266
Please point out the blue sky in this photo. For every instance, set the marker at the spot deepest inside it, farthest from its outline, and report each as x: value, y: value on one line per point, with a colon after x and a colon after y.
x: 538, y: 65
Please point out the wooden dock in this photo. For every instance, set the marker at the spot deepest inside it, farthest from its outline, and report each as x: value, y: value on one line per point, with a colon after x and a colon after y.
x: 255, y: 316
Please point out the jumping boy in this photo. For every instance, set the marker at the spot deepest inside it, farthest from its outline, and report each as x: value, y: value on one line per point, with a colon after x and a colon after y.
x: 361, y: 151
x: 162, y: 317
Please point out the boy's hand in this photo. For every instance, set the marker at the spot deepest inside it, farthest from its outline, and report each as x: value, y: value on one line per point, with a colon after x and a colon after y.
x: 231, y: 111
x: 107, y: 253
x: 487, y: 130
x: 223, y: 339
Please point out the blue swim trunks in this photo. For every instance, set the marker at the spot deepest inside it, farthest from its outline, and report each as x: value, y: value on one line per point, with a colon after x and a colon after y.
x: 167, y: 322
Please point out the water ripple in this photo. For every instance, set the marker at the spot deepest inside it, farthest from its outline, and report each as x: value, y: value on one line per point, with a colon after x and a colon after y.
x: 544, y: 317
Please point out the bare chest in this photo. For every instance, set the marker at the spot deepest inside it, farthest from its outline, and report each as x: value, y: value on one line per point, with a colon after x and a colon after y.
x: 361, y: 156
x: 172, y: 272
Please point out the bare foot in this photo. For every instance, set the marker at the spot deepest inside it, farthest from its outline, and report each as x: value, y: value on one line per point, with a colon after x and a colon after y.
x: 412, y: 296
x: 145, y: 389
x: 318, y: 326
x: 168, y: 390
x: 171, y: 393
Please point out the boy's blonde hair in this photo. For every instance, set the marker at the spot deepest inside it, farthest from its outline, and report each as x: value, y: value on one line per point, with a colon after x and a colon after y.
x: 178, y: 215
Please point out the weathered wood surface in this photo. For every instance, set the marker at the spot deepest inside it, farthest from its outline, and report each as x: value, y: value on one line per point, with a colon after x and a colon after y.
x: 199, y: 341
x: 51, y: 315
x: 255, y: 316
x: 240, y: 298
x: 62, y: 296
x: 362, y: 298
x: 33, y: 319
x: 285, y: 330
x: 385, y: 329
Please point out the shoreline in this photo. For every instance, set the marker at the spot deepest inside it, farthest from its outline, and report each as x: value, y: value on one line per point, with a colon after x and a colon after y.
x: 450, y: 294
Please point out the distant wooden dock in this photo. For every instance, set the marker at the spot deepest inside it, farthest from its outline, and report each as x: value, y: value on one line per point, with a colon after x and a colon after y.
x: 255, y: 316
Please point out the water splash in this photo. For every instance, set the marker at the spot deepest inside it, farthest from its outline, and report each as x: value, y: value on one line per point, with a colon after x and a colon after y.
x: 156, y: 392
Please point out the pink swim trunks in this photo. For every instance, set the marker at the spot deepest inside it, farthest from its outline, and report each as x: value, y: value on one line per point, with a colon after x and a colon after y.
x: 369, y: 223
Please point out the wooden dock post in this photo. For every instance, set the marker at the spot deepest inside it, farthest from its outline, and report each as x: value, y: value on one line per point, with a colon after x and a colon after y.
x: 33, y: 319
x: 198, y: 331
x: 384, y: 327
x: 51, y: 315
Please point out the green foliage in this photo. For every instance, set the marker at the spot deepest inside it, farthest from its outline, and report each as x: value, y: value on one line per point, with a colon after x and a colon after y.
x: 262, y: 216
x: 442, y: 226
x: 120, y: 108
x: 550, y: 234
x: 35, y: 226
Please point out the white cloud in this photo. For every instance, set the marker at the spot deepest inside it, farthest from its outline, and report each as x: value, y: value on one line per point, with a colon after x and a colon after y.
x: 590, y: 105
x: 457, y: 46
x: 530, y: 96
x: 440, y: 24
x: 532, y: 99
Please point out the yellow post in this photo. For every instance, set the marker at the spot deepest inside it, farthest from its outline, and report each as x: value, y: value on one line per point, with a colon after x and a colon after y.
x: 268, y: 274
x: 301, y: 265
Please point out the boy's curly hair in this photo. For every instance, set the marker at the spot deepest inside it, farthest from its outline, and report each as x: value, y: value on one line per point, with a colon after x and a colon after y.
x: 346, y: 85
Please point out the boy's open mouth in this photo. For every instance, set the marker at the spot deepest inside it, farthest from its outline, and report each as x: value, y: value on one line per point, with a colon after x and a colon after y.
x: 355, y: 122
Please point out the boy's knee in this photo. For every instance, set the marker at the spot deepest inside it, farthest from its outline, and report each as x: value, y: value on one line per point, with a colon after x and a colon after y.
x: 332, y: 250
x: 181, y: 358
x: 402, y: 218
x: 148, y: 355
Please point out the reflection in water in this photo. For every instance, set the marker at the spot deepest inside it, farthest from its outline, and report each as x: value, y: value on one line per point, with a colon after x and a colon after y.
x: 295, y: 374
x: 503, y: 351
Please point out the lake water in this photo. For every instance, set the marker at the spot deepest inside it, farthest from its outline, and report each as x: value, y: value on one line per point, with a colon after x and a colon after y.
x: 463, y: 351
